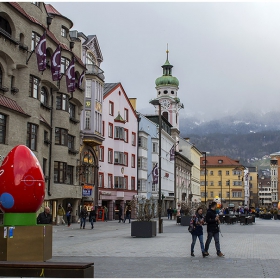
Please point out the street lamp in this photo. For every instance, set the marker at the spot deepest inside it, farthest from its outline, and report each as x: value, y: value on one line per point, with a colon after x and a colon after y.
x: 204, y: 153
x: 156, y: 102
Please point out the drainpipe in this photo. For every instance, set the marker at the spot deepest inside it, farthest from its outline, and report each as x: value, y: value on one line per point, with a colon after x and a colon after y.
x: 50, y: 146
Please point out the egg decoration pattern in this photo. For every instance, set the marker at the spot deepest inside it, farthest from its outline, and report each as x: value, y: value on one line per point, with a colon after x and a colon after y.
x: 22, y: 184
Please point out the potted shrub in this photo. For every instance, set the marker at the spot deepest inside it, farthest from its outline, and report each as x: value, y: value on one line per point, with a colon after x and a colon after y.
x: 144, y: 210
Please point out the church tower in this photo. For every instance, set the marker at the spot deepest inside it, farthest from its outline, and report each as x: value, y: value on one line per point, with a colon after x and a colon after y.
x: 167, y: 89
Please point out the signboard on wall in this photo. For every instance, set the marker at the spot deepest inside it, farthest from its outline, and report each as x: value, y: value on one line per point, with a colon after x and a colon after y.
x: 87, y: 190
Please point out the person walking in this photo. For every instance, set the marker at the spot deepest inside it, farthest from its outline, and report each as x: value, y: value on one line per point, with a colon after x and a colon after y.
x: 83, y: 216
x: 45, y: 217
x: 92, y: 217
x: 169, y: 213
x: 212, y: 220
x: 120, y: 214
x: 198, y: 222
x: 60, y: 214
x: 105, y: 213
x: 69, y: 214
x: 127, y: 213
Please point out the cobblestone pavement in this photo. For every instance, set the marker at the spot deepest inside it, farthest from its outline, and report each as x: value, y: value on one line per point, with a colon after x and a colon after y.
x: 250, y: 251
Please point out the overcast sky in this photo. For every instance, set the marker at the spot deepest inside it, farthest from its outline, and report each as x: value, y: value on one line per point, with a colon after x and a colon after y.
x: 225, y: 55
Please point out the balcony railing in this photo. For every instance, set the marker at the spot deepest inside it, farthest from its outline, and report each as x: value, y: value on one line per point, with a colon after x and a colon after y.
x: 95, y: 70
x: 8, y: 36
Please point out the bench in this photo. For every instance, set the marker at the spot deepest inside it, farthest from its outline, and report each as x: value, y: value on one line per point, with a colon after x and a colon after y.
x: 46, y: 269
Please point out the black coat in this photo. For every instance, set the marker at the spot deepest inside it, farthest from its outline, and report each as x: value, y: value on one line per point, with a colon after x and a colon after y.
x: 44, y: 218
x: 212, y: 224
x: 92, y: 215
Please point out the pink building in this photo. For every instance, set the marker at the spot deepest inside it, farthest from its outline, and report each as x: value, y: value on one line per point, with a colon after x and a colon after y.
x: 118, y: 153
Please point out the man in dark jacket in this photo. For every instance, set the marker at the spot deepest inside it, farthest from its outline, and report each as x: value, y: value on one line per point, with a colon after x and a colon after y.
x: 45, y: 217
x: 212, y: 220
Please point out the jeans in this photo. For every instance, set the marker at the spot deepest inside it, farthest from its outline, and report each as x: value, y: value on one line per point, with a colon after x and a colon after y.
x: 91, y: 222
x: 127, y: 217
x: 105, y: 217
x: 83, y: 222
x: 200, y: 237
x: 69, y: 220
x: 217, y: 242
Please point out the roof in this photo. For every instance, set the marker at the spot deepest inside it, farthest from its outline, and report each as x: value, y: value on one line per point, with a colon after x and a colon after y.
x: 108, y: 87
x: 213, y: 161
x: 44, y: 121
x: 49, y: 33
x: 51, y: 10
x: 11, y: 104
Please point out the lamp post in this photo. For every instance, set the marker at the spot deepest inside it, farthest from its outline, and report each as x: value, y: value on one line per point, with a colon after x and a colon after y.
x: 156, y: 102
x: 204, y: 153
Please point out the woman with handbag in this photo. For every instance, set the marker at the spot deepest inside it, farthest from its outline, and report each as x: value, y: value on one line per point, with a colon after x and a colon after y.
x: 198, y: 222
x: 92, y: 216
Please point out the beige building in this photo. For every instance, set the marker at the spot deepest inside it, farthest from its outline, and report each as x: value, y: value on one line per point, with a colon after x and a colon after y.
x: 253, y: 186
x: 35, y: 110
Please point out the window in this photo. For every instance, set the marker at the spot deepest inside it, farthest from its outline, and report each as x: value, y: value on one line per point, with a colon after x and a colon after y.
x: 220, y: 161
x: 119, y: 158
x: 126, y: 115
x: 69, y: 175
x: 90, y: 59
x: 98, y: 118
x: 72, y: 110
x: 227, y: 183
x: 71, y: 142
x: 60, y: 170
x: 119, y: 182
x: 165, y: 115
x: 44, y: 166
x: 142, y: 163
x: 63, y: 32
x: 61, y: 136
x: 220, y: 172
x: 32, y: 131
x: 133, y: 139
x: 46, y: 135
x: 101, y: 153
x: 227, y: 173
x: 62, y: 102
x: 203, y: 194
x: 132, y: 183
x: 110, y: 155
x: 212, y: 173
x: 125, y: 138
x: 88, y: 88
x: 133, y: 161
x: 35, y: 40
x: 44, y: 96
x: 64, y: 64
x: 211, y: 183
x: 4, y: 24
x: 3, y: 124
x: 142, y: 185
x: 236, y: 194
x: 237, y: 183
x: 110, y: 130
x: 155, y: 147
x: 101, y: 180
x: 110, y: 181
x: 36, y: 4
x: 211, y: 194
x: 103, y: 128
x: 142, y: 142
x: 33, y: 86
x: 219, y: 183
x: 119, y: 132
x: 202, y: 183
x: 125, y: 159
x: 202, y: 172
x: 125, y: 182
x: 236, y: 172
x: 111, y: 108
x: 87, y: 119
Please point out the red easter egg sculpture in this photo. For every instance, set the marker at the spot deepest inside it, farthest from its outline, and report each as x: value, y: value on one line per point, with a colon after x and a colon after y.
x: 22, y: 184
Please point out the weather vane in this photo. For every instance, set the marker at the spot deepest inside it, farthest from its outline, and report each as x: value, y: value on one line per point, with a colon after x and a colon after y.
x: 167, y: 51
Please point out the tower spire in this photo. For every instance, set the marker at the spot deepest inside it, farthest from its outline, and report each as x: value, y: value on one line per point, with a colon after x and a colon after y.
x: 167, y: 51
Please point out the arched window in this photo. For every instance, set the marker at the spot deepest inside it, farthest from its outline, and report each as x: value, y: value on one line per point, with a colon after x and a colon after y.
x: 4, y: 24
x: 87, y: 167
x: 44, y: 96
x: 90, y: 59
x: 165, y: 114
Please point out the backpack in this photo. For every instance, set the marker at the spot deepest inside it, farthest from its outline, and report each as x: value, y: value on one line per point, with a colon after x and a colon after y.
x: 191, y: 227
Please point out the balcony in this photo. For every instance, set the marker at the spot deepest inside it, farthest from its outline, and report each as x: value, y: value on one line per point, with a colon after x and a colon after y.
x: 95, y: 70
x: 8, y: 36
x: 73, y: 120
x: 73, y: 151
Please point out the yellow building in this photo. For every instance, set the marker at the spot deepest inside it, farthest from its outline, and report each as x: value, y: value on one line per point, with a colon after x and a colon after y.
x: 224, y: 178
x: 253, y: 186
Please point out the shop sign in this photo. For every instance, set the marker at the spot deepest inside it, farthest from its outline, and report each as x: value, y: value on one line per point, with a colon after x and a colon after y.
x: 87, y: 190
x: 105, y: 193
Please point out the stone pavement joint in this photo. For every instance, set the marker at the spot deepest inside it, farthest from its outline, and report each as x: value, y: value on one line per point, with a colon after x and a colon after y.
x: 250, y: 251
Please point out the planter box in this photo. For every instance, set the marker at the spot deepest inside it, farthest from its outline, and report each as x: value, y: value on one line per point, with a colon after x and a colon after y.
x: 143, y: 228
x: 185, y: 220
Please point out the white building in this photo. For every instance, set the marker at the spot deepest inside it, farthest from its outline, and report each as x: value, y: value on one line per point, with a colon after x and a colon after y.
x: 246, y: 186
